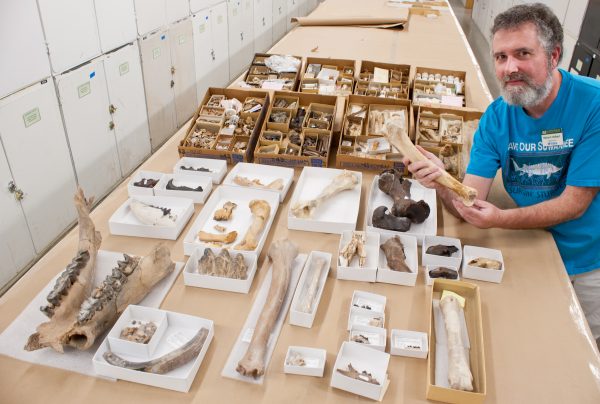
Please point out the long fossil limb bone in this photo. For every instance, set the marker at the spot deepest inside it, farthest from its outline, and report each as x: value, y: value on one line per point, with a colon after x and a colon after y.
x: 312, y: 287
x: 260, y: 214
x: 167, y: 362
x: 342, y: 182
x: 72, y: 286
x: 282, y: 254
x: 255, y: 182
x: 402, y: 143
x: 459, y: 372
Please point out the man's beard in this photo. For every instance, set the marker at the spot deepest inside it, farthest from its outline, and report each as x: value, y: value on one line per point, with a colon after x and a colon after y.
x: 528, y: 95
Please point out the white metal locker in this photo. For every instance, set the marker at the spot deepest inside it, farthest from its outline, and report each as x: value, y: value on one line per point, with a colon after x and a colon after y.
x: 84, y: 100
x: 220, y: 50
x: 150, y: 15
x: 301, y: 7
x: 36, y: 148
x: 203, y: 51
x: 241, y: 32
x: 197, y: 5
x: 263, y: 25
x: 184, y: 75
x: 23, y: 50
x: 71, y: 32
x: 116, y: 23
x: 158, y: 83
x: 248, y: 38
x: 279, y: 19
x: 128, y: 105
x: 293, y: 10
x: 16, y: 246
x: 177, y: 10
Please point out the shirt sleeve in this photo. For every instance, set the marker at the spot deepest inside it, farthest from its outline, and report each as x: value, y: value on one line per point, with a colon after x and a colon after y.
x: 584, y: 167
x: 484, y: 160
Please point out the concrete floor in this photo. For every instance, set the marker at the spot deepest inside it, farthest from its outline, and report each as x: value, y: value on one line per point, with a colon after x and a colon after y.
x: 479, y: 45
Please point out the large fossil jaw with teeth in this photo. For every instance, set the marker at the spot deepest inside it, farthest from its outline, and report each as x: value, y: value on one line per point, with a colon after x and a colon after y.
x: 152, y: 215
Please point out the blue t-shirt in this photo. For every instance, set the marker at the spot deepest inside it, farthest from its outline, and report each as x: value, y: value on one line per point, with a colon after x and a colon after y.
x: 533, y: 170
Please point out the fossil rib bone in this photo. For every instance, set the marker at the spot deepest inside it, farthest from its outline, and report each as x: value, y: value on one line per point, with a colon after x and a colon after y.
x: 225, y: 212
x: 312, y: 287
x: 345, y: 181
x: 221, y: 238
x: 72, y: 286
x: 260, y: 214
x: 402, y: 143
x: 167, y: 362
x: 246, y: 182
x: 152, y: 215
x: 282, y: 254
x: 459, y: 373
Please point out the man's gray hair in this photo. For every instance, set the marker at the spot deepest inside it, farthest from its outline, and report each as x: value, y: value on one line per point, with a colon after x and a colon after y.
x: 550, y: 32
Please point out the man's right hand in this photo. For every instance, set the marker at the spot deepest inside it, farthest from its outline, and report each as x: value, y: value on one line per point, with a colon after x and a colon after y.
x: 426, y: 172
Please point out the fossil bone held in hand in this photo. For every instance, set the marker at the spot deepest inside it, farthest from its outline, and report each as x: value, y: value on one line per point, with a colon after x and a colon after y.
x: 345, y: 181
x: 282, y: 254
x: 260, y: 214
x: 459, y: 371
x: 224, y: 213
x: 402, y: 143
x: 172, y: 360
x: 152, y: 215
x: 73, y: 285
x: 394, y: 254
x: 386, y: 221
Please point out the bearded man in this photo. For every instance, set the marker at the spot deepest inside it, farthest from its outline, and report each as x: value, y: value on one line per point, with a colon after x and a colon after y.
x: 544, y: 133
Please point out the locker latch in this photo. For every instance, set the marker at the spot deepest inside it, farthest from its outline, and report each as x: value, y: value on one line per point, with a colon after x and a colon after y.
x: 242, y: 35
x: 112, y: 109
x: 12, y: 188
x: 111, y: 125
x: 280, y: 10
x: 264, y: 22
x: 172, y: 84
x: 172, y: 69
x: 212, y: 53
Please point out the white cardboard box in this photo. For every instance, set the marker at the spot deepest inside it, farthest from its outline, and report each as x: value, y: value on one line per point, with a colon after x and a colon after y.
x: 298, y: 316
x: 431, y: 259
x: 124, y: 223
x: 240, y: 220
x: 181, y: 329
x: 429, y: 280
x: 377, y: 336
x: 368, y: 302
x: 133, y: 190
x: 216, y: 168
x: 189, y: 180
x: 314, y: 361
x: 358, y: 316
x: 405, y: 343
x: 143, y: 314
x: 336, y: 214
x: 482, y: 274
x: 191, y: 277
x: 353, y: 272
x: 386, y: 275
x: 362, y: 359
x: 265, y: 174
x: 418, y: 192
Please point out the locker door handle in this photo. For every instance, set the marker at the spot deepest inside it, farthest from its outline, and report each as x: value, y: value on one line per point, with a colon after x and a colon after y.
x: 111, y: 125
x: 172, y: 84
x: 212, y: 54
x: 112, y: 109
x: 12, y: 188
x: 264, y: 23
x: 279, y: 10
x: 172, y: 69
x: 242, y: 35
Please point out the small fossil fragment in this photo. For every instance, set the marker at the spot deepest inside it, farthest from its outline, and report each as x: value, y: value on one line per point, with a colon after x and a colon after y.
x: 220, y: 238
x: 459, y: 372
x: 356, y: 245
x: 260, y: 214
x: 376, y: 322
x: 173, y: 187
x: 394, y: 253
x: 222, y: 265
x: 295, y: 359
x: 225, y: 212
x: 355, y: 374
x: 386, y: 221
x: 200, y: 169
x: 361, y: 339
x: 219, y: 228
x: 443, y: 272
x: 347, y: 180
x: 488, y: 263
x: 146, y: 183
x: 255, y: 182
x: 165, y: 363
x: 152, y: 215
x: 442, y: 250
x: 139, y: 331
x: 363, y: 306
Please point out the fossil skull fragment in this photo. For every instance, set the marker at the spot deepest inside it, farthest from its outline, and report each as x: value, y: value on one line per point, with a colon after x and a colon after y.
x: 282, y: 254
x: 225, y: 212
x: 72, y: 287
x: 345, y: 181
x: 356, y: 245
x: 260, y: 214
x: 459, y: 372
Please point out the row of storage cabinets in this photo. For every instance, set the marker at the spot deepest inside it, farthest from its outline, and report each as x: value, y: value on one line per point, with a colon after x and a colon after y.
x: 94, y: 124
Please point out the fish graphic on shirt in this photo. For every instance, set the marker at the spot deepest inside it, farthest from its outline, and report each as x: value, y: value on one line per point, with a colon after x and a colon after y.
x: 546, y: 169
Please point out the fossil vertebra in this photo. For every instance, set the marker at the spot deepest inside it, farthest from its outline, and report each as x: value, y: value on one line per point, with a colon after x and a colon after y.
x: 394, y: 253
x: 392, y: 183
x: 152, y: 215
x: 260, y: 214
x: 345, y: 181
x: 222, y: 265
x: 295, y: 359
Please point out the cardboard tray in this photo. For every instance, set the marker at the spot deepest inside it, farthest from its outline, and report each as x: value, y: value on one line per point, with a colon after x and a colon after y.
x: 456, y: 73
x: 265, y: 174
x: 339, y: 63
x: 217, y: 168
x: 266, y: 55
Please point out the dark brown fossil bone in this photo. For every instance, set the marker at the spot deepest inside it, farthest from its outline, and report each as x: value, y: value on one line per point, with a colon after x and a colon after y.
x: 389, y: 222
x: 391, y: 183
x: 417, y: 212
x: 190, y: 168
x: 146, y: 183
x: 442, y: 250
x: 173, y: 187
x: 443, y: 272
x: 394, y: 253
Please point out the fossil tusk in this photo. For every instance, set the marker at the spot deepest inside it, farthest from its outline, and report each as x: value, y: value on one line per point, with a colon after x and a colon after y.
x: 221, y: 238
x: 260, y: 214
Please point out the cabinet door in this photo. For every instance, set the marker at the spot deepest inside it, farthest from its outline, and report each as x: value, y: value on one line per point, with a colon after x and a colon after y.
x: 184, y: 76
x: 292, y: 11
x: 84, y: 101
x: 71, y: 32
x: 20, y: 21
x: 36, y: 148
x: 301, y: 7
x: 310, y: 6
x: 203, y: 50
x: 279, y: 19
x: 156, y: 66
x: 248, y: 32
x: 236, y: 35
x: 116, y: 23
x: 177, y: 10
x: 16, y: 246
x: 263, y: 25
x: 150, y: 15
x: 128, y: 106
x: 220, y: 46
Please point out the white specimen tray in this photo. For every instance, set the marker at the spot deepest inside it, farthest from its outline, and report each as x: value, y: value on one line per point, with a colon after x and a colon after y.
x: 362, y: 358
x: 301, y: 318
x: 418, y: 192
x: 181, y: 328
x: 265, y: 173
x: 334, y: 215
x: 401, y: 339
x: 243, y: 341
x: 139, y: 314
x: 133, y: 190
x: 124, y: 223
x: 74, y: 360
x: 387, y: 275
x: 192, y: 181
x: 377, y: 336
x: 353, y: 272
x: 192, y: 278
x: 431, y: 259
x: 240, y: 220
x: 483, y: 274
x: 314, y: 359
x: 217, y: 168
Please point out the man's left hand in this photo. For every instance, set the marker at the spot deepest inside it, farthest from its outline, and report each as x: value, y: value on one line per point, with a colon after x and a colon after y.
x: 482, y: 214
